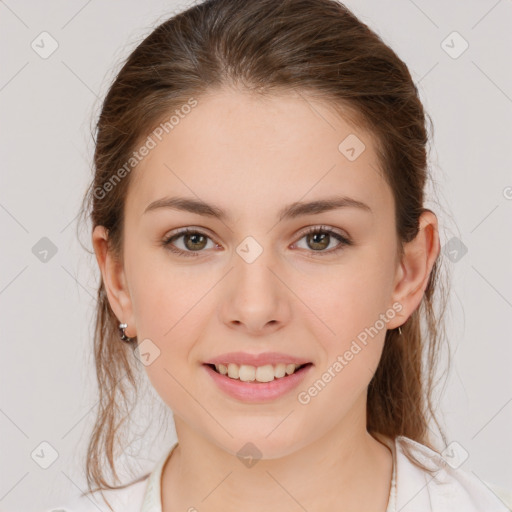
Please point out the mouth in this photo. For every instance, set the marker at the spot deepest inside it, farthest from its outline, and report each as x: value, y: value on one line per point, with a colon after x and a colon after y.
x: 260, y: 374
x: 258, y: 385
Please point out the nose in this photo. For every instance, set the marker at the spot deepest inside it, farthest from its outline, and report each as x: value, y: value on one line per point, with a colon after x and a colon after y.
x: 255, y: 300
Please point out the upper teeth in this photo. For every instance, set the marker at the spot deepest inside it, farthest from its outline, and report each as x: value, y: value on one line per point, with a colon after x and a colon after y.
x: 249, y: 373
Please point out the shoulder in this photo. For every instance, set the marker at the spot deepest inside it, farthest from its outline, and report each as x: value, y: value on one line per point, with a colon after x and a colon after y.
x: 143, y: 494
x: 127, y: 499
x: 447, y: 488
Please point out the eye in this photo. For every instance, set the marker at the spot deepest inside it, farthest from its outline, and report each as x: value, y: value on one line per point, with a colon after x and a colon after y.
x: 194, y: 241
x: 319, y: 238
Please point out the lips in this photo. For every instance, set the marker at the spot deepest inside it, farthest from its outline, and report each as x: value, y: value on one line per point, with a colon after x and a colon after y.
x: 262, y: 359
x: 258, y: 392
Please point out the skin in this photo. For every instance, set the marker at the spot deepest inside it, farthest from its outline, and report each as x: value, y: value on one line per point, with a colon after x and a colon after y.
x: 251, y: 156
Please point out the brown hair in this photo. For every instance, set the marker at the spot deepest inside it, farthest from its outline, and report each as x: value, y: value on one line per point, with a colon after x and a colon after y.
x: 317, y: 48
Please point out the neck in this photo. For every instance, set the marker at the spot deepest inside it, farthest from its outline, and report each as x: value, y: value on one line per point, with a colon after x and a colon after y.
x: 343, y: 466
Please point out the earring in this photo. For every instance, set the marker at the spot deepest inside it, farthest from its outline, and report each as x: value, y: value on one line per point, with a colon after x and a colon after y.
x: 122, y: 334
x: 399, y: 330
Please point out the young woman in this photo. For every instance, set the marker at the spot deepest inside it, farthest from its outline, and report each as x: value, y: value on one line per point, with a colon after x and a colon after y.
x: 259, y: 223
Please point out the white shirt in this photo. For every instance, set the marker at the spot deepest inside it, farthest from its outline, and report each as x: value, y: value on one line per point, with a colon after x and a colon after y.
x: 412, y: 488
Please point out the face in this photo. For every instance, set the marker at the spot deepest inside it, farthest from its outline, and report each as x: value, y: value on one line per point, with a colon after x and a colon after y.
x: 252, y: 279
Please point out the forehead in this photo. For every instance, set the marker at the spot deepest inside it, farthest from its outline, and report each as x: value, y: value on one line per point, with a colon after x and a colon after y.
x: 243, y: 152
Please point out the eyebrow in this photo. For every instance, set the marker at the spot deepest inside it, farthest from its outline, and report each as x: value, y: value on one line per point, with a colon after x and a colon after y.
x: 290, y: 211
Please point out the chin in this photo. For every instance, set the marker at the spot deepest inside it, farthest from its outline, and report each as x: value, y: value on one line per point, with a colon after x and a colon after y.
x: 256, y: 443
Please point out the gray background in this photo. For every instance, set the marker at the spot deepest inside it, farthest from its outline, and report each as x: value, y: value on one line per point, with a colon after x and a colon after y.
x: 48, y: 107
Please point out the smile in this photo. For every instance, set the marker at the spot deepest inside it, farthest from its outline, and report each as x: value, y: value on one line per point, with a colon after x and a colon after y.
x: 249, y: 373
x: 254, y: 390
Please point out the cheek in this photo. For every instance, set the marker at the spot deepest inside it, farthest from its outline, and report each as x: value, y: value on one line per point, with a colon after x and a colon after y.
x: 347, y: 302
x: 353, y: 306
x: 164, y: 295
x: 171, y: 305
x: 350, y: 337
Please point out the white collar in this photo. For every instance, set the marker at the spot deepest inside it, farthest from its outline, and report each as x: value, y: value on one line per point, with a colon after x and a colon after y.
x: 412, y: 488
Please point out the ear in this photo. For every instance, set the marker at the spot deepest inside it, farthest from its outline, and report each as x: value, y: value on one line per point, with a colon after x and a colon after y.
x: 114, y: 280
x: 414, y: 270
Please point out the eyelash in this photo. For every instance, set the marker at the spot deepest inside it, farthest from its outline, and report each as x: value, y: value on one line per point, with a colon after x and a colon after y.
x: 167, y: 242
